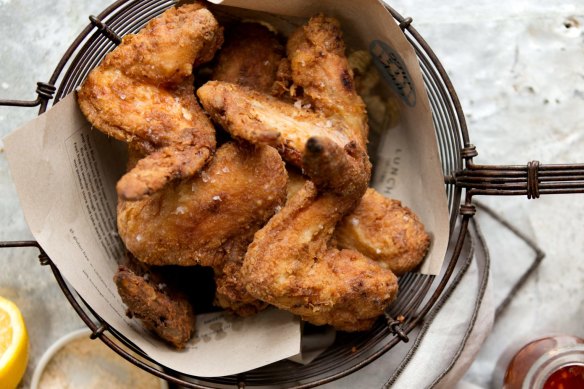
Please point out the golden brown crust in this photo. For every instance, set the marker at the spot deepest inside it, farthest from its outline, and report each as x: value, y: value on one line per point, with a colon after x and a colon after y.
x: 263, y: 119
x: 250, y: 57
x: 160, y: 307
x: 329, y: 107
x: 319, y: 66
x: 385, y: 231
x: 290, y: 265
x: 167, y: 49
x: 192, y: 222
x: 143, y: 93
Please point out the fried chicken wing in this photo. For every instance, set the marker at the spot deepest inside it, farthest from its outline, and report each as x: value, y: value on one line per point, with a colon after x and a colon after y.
x: 320, y: 67
x: 151, y: 298
x: 142, y: 93
x: 385, y: 231
x: 194, y: 221
x: 380, y: 228
x: 329, y: 108
x: 292, y: 263
x: 262, y: 119
x: 210, y: 219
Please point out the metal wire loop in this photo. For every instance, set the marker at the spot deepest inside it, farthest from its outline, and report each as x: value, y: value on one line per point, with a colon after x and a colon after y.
x: 469, y: 151
x: 395, y: 328
x: 105, y: 30
x: 45, y: 90
x: 532, y: 180
x: 44, y: 259
x: 98, y: 331
x: 405, y: 23
x: 468, y: 209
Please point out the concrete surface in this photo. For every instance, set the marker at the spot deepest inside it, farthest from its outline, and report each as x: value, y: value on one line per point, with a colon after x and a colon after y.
x: 517, y: 68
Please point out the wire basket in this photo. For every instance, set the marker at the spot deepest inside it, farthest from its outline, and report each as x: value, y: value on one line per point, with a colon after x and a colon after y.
x: 418, y: 292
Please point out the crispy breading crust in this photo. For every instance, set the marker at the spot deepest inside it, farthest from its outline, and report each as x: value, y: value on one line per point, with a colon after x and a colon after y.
x: 319, y: 66
x: 262, y: 119
x: 142, y: 93
x: 385, y: 231
x: 159, y: 306
x: 291, y: 265
x: 250, y: 57
x: 192, y: 222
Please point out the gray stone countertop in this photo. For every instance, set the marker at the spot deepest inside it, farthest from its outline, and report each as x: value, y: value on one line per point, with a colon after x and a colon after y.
x: 518, y: 70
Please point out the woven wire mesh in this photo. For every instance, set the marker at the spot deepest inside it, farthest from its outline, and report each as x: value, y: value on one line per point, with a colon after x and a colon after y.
x: 350, y: 351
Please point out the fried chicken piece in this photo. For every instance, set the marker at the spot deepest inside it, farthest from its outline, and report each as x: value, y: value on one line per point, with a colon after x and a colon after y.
x: 320, y: 67
x: 253, y: 56
x: 330, y: 106
x: 385, y: 231
x: 210, y: 219
x: 250, y: 57
x: 142, y: 93
x: 380, y: 228
x: 263, y: 119
x: 154, y: 300
x: 194, y: 221
x: 293, y: 265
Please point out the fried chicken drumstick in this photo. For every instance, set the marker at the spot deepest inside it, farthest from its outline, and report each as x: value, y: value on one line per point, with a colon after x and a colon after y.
x: 142, y: 93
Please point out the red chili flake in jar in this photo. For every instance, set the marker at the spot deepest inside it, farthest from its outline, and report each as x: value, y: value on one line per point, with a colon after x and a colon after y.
x: 567, y: 377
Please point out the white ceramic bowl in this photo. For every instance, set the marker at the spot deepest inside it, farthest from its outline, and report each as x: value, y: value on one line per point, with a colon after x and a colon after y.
x: 78, y: 372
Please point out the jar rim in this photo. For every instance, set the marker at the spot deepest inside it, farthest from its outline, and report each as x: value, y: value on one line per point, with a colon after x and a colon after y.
x: 552, y: 361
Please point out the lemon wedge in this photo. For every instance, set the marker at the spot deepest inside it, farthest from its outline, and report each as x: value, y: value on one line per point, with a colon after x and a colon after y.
x: 13, y: 345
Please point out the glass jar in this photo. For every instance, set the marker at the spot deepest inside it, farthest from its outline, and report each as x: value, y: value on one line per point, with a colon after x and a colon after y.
x: 551, y: 362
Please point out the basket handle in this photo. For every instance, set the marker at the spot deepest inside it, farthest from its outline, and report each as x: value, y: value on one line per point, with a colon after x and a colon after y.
x: 532, y: 179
